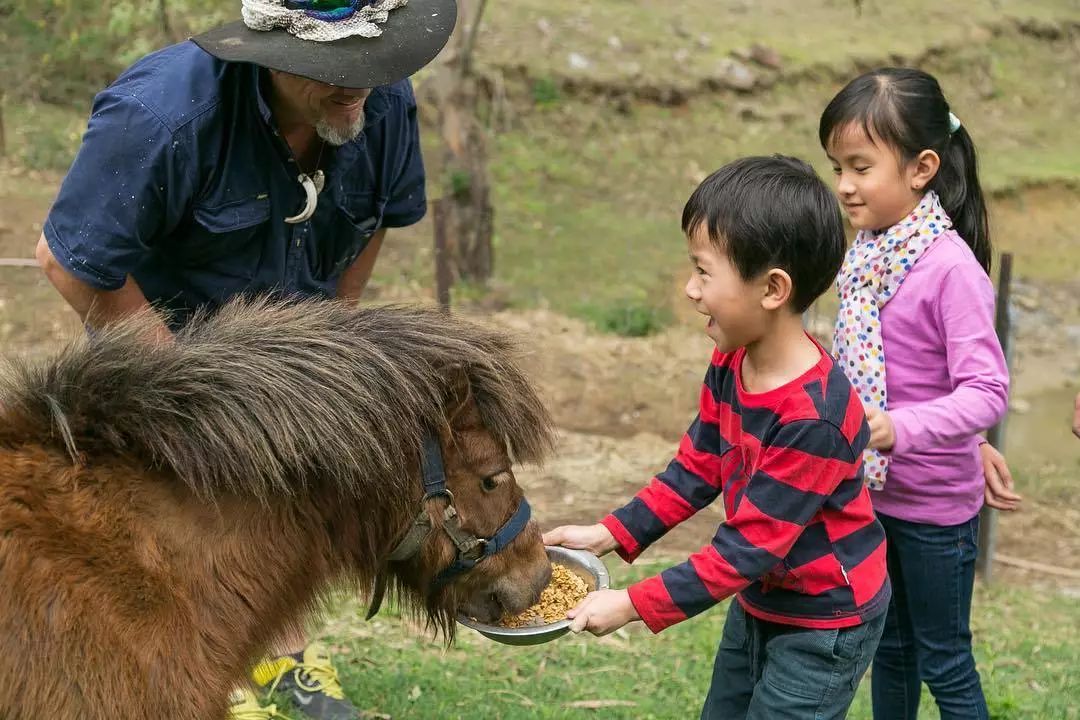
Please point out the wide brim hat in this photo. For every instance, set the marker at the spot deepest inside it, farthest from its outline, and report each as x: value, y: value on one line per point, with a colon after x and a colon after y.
x: 411, y: 36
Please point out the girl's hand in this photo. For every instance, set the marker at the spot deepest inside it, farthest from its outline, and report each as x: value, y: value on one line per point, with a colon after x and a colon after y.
x: 999, y: 483
x: 882, y: 432
x: 597, y: 539
x: 603, y: 612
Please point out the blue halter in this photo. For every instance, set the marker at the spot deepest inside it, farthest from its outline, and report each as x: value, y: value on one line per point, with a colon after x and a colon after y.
x: 470, y: 549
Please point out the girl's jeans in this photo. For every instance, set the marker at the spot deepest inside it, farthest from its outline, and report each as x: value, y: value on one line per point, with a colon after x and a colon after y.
x: 927, y: 635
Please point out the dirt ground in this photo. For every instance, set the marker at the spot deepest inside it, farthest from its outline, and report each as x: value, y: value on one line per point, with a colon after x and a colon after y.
x: 622, y: 403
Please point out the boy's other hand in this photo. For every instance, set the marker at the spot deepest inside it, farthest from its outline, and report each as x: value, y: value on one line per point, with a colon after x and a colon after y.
x: 882, y: 432
x: 597, y: 539
x: 603, y: 612
x: 1076, y: 416
x: 999, y: 492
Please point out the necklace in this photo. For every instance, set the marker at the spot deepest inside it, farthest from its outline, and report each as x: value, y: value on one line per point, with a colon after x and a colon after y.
x: 313, y: 184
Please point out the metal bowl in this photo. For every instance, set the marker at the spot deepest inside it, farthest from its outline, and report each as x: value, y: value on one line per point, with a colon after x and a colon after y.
x: 583, y: 564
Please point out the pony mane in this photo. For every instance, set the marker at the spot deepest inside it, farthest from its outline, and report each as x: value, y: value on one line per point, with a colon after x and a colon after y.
x: 266, y: 396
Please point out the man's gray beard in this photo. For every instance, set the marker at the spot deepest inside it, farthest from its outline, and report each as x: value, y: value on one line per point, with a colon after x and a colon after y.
x: 338, y: 136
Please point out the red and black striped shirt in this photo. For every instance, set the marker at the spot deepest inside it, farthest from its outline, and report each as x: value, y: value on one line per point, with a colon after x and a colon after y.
x: 800, y: 545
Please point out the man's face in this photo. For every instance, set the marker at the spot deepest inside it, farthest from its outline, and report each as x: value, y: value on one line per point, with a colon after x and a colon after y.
x: 337, y: 113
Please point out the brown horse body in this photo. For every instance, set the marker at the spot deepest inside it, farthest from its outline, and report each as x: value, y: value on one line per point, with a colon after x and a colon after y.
x: 133, y: 586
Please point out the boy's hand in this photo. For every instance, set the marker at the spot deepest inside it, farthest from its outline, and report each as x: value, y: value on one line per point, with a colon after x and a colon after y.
x: 882, y: 432
x: 597, y: 539
x: 999, y: 483
x: 603, y: 612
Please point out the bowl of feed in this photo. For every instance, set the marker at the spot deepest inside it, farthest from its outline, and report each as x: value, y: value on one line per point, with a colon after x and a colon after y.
x: 574, y: 573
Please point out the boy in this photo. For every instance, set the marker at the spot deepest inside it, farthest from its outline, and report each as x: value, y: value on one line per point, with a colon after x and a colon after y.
x: 780, y: 434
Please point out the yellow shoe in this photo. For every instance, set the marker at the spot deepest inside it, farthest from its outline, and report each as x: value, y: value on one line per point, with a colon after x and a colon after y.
x: 310, y: 682
x: 243, y: 705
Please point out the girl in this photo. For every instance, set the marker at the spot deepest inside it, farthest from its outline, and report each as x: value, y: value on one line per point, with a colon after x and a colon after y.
x: 915, y: 335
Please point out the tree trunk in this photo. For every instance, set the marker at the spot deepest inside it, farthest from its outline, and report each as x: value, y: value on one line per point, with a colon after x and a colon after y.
x: 163, y: 17
x: 467, y: 194
x: 444, y: 276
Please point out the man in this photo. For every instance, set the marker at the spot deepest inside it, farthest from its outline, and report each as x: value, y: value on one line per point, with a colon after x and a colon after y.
x: 269, y: 155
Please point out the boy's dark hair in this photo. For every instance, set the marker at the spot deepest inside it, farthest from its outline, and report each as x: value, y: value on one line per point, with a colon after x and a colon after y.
x: 907, y: 109
x: 772, y: 212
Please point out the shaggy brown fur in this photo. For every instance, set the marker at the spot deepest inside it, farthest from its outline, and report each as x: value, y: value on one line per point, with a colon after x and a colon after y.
x: 167, y: 511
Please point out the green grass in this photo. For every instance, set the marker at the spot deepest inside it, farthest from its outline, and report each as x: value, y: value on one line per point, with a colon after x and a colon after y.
x: 43, y: 136
x: 629, y: 317
x: 65, y: 51
x: 1025, y: 650
x: 678, y: 45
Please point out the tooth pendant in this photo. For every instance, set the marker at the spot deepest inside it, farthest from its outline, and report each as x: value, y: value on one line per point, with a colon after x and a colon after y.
x: 313, y: 185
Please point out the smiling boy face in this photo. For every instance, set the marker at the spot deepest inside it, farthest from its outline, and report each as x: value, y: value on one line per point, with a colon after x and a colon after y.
x: 733, y: 305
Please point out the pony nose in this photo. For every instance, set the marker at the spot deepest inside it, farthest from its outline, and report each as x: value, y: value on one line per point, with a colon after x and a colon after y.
x: 541, y: 580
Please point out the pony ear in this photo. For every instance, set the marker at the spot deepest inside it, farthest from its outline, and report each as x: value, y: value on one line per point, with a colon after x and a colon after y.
x: 459, y: 391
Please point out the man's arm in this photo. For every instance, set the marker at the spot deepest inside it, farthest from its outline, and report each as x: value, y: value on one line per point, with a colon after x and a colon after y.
x: 95, y: 307
x: 352, y: 282
x: 127, y: 188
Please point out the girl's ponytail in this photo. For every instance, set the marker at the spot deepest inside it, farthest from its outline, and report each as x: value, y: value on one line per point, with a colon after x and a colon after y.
x: 957, y: 184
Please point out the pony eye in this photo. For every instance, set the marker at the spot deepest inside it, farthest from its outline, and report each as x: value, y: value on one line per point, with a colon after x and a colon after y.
x: 491, y: 482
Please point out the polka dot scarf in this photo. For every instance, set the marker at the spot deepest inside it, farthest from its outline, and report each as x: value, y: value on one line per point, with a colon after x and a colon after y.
x: 874, y: 268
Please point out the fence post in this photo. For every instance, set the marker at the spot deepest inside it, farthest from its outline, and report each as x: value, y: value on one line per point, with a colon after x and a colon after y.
x: 3, y: 140
x: 984, y: 562
x: 443, y: 273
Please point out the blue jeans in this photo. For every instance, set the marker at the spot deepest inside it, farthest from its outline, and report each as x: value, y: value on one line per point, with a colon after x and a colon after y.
x: 767, y: 671
x: 927, y: 635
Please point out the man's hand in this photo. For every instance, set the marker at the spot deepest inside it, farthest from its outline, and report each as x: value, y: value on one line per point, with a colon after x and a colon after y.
x: 603, y: 612
x: 999, y: 492
x: 882, y: 432
x: 597, y: 539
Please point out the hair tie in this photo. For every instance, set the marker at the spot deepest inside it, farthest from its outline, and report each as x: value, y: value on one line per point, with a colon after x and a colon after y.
x: 954, y: 123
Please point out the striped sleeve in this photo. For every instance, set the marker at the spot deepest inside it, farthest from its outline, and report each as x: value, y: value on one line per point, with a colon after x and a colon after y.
x: 691, y: 482
x: 801, y: 466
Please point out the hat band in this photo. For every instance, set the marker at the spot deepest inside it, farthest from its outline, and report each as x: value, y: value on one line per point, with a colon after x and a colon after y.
x: 320, y: 20
x: 328, y: 11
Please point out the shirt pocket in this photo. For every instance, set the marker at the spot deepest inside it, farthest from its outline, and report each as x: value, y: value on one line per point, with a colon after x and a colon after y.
x: 357, y: 217
x: 228, y: 238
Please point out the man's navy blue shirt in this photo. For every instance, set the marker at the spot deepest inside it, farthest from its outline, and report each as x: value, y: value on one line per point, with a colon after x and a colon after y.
x: 183, y: 182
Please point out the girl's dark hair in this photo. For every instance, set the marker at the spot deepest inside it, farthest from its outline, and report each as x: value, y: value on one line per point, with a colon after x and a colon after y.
x: 906, y: 109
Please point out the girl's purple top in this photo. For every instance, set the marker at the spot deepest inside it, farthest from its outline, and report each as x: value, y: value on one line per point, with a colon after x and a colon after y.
x: 946, y: 380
